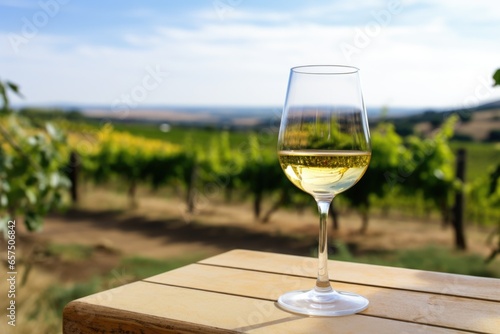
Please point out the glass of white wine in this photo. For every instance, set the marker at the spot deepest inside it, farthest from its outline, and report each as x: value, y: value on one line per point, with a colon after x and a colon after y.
x: 324, y: 148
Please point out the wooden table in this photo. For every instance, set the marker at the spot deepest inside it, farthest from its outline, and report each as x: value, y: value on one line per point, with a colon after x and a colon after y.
x: 236, y: 292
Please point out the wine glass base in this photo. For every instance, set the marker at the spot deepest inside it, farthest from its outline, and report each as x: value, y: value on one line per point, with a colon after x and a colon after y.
x: 320, y: 303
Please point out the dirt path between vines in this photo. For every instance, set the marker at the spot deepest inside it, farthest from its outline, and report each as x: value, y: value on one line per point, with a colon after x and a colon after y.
x: 160, y: 229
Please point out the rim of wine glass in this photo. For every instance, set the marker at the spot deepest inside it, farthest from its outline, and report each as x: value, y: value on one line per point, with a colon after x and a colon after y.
x: 327, y: 69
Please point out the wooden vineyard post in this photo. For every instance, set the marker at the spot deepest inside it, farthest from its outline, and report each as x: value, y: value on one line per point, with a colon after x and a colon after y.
x: 458, y: 209
x: 191, y: 191
x: 74, y: 167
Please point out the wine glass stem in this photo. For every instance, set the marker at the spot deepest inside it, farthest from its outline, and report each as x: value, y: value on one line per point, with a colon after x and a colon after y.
x: 323, y: 282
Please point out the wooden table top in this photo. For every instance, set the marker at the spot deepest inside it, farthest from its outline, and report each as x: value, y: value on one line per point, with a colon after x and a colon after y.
x: 236, y: 292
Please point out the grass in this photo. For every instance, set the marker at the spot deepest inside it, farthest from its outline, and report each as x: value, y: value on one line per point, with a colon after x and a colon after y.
x: 71, y: 252
x: 179, y: 134
x: 55, y: 298
x: 52, y: 302
x: 140, y: 267
x: 480, y: 157
x: 430, y: 258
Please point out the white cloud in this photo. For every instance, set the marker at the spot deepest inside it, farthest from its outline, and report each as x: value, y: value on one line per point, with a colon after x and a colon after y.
x: 240, y: 62
x: 484, y: 10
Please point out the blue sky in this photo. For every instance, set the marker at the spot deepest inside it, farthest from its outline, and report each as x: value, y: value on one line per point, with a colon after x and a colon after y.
x: 238, y: 52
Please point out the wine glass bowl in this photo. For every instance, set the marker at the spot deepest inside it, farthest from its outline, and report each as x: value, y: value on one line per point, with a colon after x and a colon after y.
x: 324, y: 149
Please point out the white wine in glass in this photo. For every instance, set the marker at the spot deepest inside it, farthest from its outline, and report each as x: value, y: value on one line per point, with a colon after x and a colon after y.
x: 324, y: 149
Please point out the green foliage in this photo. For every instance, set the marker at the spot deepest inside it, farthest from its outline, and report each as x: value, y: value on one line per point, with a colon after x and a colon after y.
x: 407, y: 173
x: 32, y: 162
x: 109, y: 154
x: 400, y: 167
x: 381, y: 176
x: 432, y: 166
x: 496, y: 78
x: 408, y: 167
x: 5, y: 87
x: 484, y: 204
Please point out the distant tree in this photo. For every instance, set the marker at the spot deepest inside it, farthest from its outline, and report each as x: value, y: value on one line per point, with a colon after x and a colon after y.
x: 465, y: 117
x: 51, y: 114
x: 434, y: 118
x: 462, y: 137
x: 404, y: 128
x: 493, y: 136
x: 496, y: 78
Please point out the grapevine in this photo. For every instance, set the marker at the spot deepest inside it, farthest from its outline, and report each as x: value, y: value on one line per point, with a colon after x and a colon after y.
x: 32, y: 167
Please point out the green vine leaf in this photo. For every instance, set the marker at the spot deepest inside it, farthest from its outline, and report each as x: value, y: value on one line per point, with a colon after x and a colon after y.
x: 14, y: 88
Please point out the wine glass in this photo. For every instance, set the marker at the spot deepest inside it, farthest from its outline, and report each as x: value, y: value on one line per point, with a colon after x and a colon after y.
x: 324, y: 149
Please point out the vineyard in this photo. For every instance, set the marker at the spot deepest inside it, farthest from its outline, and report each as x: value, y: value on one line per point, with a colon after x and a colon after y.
x: 45, y: 166
x: 411, y: 174
x: 417, y: 175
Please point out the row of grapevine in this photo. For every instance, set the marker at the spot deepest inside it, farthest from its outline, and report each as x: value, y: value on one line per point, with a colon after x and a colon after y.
x: 407, y: 167
x: 107, y: 153
x: 403, y: 170
x: 484, y: 204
